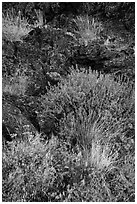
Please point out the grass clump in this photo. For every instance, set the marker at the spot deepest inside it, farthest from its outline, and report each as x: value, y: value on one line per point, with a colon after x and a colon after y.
x: 14, y: 27
x: 93, y: 93
x: 88, y: 29
x: 26, y: 167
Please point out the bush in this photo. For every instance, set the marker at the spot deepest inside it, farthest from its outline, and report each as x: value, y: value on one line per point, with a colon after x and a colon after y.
x: 27, y: 169
x: 14, y: 27
x: 100, y: 93
x: 95, y: 109
x: 88, y: 29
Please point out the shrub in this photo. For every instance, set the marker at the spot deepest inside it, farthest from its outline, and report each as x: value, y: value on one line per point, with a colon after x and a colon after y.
x: 94, y: 108
x: 88, y: 29
x: 14, y: 27
x: 27, y: 170
x: 100, y: 93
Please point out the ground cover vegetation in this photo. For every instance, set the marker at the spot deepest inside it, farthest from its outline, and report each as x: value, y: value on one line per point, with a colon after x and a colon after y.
x: 68, y: 101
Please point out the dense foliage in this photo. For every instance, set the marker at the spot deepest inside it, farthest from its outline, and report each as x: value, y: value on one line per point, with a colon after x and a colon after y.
x: 68, y: 120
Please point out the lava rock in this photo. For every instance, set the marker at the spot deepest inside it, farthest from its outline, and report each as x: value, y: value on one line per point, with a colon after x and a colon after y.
x: 6, y: 133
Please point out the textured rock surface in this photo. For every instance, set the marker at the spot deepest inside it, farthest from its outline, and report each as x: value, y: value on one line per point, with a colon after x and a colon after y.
x: 17, y: 119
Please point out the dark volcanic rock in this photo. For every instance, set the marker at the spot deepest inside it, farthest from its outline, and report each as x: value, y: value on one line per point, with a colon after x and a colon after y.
x: 18, y: 118
x: 5, y: 133
x: 93, y: 56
